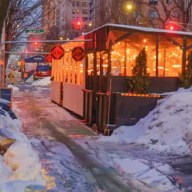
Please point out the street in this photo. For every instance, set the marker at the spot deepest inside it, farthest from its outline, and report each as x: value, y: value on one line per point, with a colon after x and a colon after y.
x: 71, y: 159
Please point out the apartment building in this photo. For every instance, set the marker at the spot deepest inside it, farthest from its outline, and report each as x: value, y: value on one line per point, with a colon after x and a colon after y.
x: 66, y: 18
x: 70, y: 18
x: 168, y: 14
x: 147, y: 13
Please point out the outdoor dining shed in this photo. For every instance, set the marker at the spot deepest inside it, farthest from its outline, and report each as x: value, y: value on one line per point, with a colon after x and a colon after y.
x: 93, y: 81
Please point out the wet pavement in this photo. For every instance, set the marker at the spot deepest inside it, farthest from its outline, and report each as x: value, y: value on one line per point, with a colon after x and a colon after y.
x: 53, y: 132
x: 50, y: 126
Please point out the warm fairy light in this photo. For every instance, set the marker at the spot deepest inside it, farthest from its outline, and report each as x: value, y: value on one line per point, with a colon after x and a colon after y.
x: 141, y: 95
x: 144, y: 40
x: 176, y: 65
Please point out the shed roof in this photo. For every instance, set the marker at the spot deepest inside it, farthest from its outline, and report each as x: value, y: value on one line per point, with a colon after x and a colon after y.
x: 143, y: 29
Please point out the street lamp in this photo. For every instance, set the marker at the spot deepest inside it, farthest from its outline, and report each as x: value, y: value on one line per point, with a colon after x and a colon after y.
x: 129, y: 7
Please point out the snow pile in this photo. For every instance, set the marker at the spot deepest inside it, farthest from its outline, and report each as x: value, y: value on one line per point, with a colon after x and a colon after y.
x: 23, y: 161
x: 16, y: 186
x: 42, y: 82
x: 151, y: 175
x: 5, y: 171
x: 19, y: 162
x: 9, y: 125
x: 167, y: 128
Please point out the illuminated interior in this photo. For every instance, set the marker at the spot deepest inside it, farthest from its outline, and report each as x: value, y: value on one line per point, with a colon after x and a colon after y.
x: 124, y: 56
x: 102, y: 63
x: 124, y: 53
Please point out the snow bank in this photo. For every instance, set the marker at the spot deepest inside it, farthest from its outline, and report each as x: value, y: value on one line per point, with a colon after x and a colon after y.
x: 21, y: 158
x: 152, y: 175
x: 16, y: 186
x: 20, y: 165
x: 42, y: 82
x: 167, y: 128
x: 5, y: 171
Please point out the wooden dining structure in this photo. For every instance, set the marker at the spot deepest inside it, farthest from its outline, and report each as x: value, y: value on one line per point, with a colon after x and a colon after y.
x: 91, y: 81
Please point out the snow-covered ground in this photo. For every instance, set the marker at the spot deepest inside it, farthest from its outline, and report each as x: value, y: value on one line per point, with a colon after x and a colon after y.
x: 19, y: 166
x: 165, y: 129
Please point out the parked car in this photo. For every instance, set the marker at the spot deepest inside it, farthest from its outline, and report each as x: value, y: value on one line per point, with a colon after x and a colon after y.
x: 42, y: 71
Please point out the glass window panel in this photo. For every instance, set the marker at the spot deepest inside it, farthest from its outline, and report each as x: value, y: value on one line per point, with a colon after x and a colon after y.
x: 170, y: 58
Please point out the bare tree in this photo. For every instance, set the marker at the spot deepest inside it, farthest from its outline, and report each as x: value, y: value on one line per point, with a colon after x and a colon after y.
x: 21, y: 15
x: 185, y: 8
x: 3, y: 9
x: 178, y: 11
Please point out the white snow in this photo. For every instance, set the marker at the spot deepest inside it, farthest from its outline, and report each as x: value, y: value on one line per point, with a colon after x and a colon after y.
x: 140, y: 170
x: 20, y: 165
x: 167, y: 128
x: 42, y: 82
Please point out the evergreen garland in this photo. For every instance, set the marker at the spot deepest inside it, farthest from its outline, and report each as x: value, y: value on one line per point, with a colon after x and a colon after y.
x: 139, y: 83
x: 186, y: 77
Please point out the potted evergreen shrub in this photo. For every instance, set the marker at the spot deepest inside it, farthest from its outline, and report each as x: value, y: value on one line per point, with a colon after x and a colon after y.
x: 140, y: 81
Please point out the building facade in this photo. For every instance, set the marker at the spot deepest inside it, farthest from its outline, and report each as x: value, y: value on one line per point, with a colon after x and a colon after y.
x: 64, y: 19
x: 70, y: 18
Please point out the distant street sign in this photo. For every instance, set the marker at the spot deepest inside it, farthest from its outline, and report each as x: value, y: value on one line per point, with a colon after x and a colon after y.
x: 35, y: 31
x: 57, y: 52
x: 78, y: 53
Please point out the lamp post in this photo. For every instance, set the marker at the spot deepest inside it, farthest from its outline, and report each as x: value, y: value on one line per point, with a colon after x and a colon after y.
x: 132, y: 12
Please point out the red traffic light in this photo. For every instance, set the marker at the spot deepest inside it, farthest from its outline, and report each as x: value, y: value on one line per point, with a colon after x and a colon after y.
x: 78, y: 25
